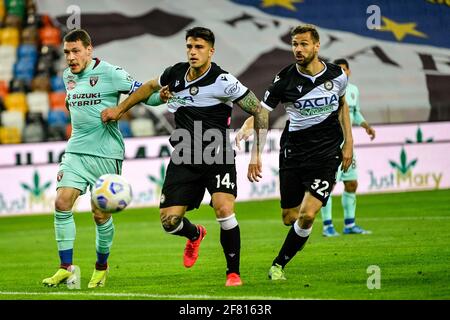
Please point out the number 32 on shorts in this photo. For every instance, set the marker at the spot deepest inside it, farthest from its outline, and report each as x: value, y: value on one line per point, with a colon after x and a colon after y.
x: 320, y: 186
x: 225, y: 181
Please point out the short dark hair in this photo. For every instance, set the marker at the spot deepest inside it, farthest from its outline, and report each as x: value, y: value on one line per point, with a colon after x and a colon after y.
x: 342, y: 61
x: 203, y: 33
x: 78, y: 34
x: 306, y: 28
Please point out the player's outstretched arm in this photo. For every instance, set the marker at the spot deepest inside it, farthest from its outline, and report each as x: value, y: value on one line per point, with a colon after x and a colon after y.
x: 347, y: 148
x: 244, y: 132
x: 160, y: 97
x: 251, y: 104
x: 141, y: 94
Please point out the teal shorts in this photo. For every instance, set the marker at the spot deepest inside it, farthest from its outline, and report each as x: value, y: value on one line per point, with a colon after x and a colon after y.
x: 351, y: 174
x: 82, y: 170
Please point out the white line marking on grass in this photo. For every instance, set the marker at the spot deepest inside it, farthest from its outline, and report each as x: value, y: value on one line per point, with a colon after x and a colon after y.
x: 148, y: 295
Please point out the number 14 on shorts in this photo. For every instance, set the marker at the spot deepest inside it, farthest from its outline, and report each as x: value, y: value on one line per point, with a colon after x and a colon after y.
x: 225, y: 181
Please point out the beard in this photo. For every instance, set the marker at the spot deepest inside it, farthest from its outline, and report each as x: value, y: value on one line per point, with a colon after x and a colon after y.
x: 306, y: 61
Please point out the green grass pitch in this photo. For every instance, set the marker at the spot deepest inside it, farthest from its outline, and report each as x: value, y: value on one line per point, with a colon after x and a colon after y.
x: 410, y: 244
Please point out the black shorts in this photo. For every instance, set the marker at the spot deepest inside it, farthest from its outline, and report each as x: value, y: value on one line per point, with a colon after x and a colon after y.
x: 185, y: 185
x: 297, y: 177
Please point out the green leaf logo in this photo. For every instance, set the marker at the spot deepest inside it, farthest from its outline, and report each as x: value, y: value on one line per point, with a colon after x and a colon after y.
x: 36, y: 190
x: 162, y: 174
x: 419, y: 138
x: 403, y: 167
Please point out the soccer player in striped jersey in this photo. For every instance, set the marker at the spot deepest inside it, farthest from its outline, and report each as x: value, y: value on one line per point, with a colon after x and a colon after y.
x: 202, y: 100
x: 351, y: 176
x: 93, y: 149
x: 313, y: 94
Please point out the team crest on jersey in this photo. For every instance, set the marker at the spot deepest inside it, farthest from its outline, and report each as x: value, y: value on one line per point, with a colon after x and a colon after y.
x: 276, y: 78
x: 93, y: 80
x: 59, y: 176
x: 328, y: 85
x: 299, y: 88
x: 177, y: 83
x: 193, y: 90
x: 71, y: 85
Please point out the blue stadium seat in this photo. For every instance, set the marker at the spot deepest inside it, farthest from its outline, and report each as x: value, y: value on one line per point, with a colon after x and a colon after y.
x: 27, y: 51
x: 57, y: 118
x: 125, y: 128
x: 57, y: 83
x: 24, y: 69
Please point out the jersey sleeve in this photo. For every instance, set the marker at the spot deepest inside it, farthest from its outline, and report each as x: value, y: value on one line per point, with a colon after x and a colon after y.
x: 164, y: 78
x: 343, y: 81
x: 230, y: 88
x: 272, y: 96
x: 123, y: 82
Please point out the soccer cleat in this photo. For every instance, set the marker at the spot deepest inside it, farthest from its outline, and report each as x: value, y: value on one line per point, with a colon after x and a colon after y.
x: 356, y: 230
x: 192, y: 248
x: 329, y: 231
x: 98, y: 278
x: 62, y: 276
x: 233, y: 279
x: 276, y: 272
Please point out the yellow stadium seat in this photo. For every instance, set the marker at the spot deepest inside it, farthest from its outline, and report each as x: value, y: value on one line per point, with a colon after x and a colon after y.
x: 10, y: 36
x: 10, y: 135
x: 16, y: 101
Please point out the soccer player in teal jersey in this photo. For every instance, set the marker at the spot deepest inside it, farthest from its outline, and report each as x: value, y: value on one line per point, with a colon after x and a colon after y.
x: 351, y: 176
x: 94, y: 149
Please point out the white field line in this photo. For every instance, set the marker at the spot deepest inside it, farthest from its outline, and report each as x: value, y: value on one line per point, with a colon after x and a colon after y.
x: 147, y: 295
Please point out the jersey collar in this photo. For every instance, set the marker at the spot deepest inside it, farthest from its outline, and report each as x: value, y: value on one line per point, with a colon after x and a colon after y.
x: 314, y: 77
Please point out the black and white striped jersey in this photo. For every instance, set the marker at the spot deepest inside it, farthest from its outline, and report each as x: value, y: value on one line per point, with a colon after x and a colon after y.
x: 207, y: 100
x: 312, y: 104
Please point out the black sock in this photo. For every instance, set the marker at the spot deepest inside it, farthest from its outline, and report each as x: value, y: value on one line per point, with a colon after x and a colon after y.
x: 189, y: 230
x: 292, y: 244
x: 231, y: 244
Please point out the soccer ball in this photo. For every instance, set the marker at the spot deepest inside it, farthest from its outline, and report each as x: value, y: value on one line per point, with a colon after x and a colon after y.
x: 111, y: 193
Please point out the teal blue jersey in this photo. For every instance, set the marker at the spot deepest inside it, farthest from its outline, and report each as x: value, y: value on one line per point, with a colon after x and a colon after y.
x: 352, y: 98
x: 98, y: 87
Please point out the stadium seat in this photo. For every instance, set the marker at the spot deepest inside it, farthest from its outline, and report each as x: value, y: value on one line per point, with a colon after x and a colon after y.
x: 13, y: 119
x: 27, y: 51
x: 50, y: 36
x: 58, y: 101
x: 142, y: 127
x: 34, y: 132
x: 9, y: 135
x: 7, y: 53
x: 40, y: 83
x: 125, y: 129
x: 16, y: 101
x: 6, y: 72
x: 38, y: 102
x: 24, y: 69
x: 2, y: 11
x: 10, y: 37
x: 56, y: 134
x: 16, y: 7
x: 3, y: 88
x: 18, y: 85
x: 57, y: 83
x: 57, y: 118
x: 30, y: 35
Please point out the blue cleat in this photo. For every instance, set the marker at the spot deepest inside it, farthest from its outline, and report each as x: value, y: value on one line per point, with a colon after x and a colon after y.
x: 356, y: 230
x: 329, y: 231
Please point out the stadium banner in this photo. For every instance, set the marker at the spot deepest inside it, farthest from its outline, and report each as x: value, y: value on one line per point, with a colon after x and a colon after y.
x: 159, y: 147
x: 392, y: 168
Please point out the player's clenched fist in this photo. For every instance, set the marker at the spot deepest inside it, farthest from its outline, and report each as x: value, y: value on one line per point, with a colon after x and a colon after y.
x: 109, y: 114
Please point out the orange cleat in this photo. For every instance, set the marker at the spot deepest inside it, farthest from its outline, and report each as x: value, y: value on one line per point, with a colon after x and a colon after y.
x: 192, y: 248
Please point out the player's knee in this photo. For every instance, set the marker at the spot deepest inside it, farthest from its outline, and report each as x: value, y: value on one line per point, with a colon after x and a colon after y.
x: 171, y: 223
x: 306, y: 219
x: 289, y: 216
x: 223, y: 211
x: 63, y: 204
x: 100, y: 217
